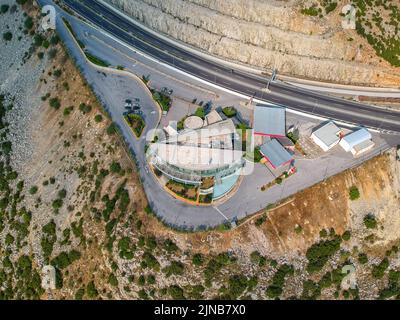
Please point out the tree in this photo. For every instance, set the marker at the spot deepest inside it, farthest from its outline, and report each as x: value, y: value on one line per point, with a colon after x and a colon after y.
x: 176, y: 292
x: 33, y: 190
x: 354, y: 193
x: 319, y: 253
x: 98, y: 118
x: 198, y: 259
x: 7, y: 36
x: 229, y: 111
x: 200, y: 112
x: 55, y: 103
x: 4, y: 8
x: 112, y: 279
x: 115, y: 167
x: 62, y: 193
x: 370, y: 221
x: 176, y: 268
x: 92, y: 290
x: 346, y: 235
x: 362, y: 258
x: 111, y: 129
x: 170, y: 246
x: 378, y: 270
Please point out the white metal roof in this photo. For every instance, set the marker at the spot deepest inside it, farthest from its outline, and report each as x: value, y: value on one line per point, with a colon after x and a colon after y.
x: 328, y: 134
x: 357, y: 137
x: 196, y: 158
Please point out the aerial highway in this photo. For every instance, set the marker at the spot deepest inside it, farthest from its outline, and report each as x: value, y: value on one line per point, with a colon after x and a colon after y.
x: 248, y: 84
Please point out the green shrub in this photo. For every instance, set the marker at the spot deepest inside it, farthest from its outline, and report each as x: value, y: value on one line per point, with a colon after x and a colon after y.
x: 79, y: 294
x: 55, y: 103
x: 276, y: 288
x: 311, y: 11
x: 91, y: 290
x: 28, y: 24
x: 57, y: 204
x: 354, y: 193
x: 176, y: 292
x: 112, y: 128
x: 319, y: 253
x: 346, y: 235
x: 370, y: 221
x: 378, y: 271
x: 175, y: 268
x: 33, y: 190
x: 115, y: 167
x: 200, y: 112
x: 84, y: 108
x: 198, y: 259
x: 229, y: 112
x: 7, y: 36
x: 112, y: 279
x: 4, y: 8
x: 362, y: 258
x: 257, y: 258
x: 170, y: 246
x: 98, y: 118
x: 57, y: 73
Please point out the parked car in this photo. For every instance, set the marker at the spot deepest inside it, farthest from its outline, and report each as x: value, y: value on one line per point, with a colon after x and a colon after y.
x: 139, y: 112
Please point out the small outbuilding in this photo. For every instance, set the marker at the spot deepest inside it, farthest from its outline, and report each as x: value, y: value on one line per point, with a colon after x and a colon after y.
x: 275, y: 153
x: 269, y: 121
x: 355, y: 138
x: 327, y: 136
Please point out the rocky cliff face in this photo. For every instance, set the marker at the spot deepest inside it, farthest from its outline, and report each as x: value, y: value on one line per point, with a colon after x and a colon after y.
x: 268, y: 34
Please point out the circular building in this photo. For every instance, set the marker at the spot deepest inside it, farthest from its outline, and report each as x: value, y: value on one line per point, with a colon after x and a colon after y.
x: 193, y: 122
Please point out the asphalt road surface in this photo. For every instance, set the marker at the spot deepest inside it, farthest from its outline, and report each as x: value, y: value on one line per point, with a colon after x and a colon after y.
x: 250, y: 85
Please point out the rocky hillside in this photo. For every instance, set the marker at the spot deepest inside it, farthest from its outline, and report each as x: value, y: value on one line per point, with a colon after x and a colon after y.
x: 303, y: 38
x: 70, y: 197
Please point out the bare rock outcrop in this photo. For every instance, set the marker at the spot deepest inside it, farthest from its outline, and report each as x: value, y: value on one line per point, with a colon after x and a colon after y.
x: 268, y: 34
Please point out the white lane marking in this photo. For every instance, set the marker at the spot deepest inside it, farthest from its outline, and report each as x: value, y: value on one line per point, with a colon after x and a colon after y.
x: 137, y: 51
x: 220, y: 212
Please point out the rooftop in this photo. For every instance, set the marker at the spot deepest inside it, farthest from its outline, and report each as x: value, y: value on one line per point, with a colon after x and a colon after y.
x: 328, y: 134
x: 196, y: 158
x: 357, y: 137
x: 269, y: 121
x: 363, y: 145
x: 275, y: 153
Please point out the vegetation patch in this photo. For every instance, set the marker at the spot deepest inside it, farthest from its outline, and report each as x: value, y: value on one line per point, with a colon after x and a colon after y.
x: 136, y: 122
x: 186, y: 191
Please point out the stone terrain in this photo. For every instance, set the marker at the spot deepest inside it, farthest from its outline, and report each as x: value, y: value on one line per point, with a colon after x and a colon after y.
x: 109, y: 245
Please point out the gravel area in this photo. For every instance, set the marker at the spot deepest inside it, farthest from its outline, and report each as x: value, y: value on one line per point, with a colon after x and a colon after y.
x: 19, y: 77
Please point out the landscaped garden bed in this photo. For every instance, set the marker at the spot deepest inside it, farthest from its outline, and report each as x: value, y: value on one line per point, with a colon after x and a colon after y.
x: 229, y: 111
x: 136, y: 123
x: 163, y: 99
x: 186, y: 191
x: 278, y: 180
x: 205, y: 198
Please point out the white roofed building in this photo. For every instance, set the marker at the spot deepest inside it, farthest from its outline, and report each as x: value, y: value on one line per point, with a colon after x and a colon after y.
x: 357, y: 142
x: 327, y: 136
